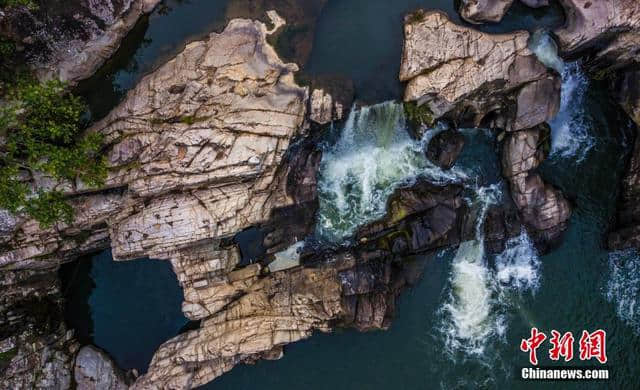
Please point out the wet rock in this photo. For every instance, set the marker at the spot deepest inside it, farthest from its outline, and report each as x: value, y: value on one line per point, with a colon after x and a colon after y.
x: 602, y: 25
x: 543, y: 209
x: 95, y: 370
x: 36, y: 348
x: 626, y: 232
x: 481, y: 11
x: 444, y: 148
x: 475, y: 78
x: 419, y: 218
x: 70, y: 40
x: 501, y: 223
x: 331, y: 98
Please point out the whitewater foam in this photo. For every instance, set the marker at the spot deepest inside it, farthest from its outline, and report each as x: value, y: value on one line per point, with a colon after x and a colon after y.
x: 570, y: 137
x: 518, y: 266
x: 623, y: 287
x: 546, y: 50
x: 373, y: 156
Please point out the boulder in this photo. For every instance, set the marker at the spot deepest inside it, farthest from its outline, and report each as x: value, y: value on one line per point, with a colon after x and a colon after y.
x: 445, y: 147
x: 476, y: 78
x: 36, y: 349
x: 194, y: 153
x: 609, y: 29
x: 70, y: 40
x: 481, y: 11
x: 626, y: 233
x: 94, y: 370
x: 267, y: 311
x: 543, y: 208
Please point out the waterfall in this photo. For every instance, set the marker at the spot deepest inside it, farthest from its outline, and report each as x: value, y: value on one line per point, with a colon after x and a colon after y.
x: 623, y: 287
x: 373, y: 156
x: 570, y: 136
x: 467, y: 314
x: 546, y: 49
x: 479, y: 295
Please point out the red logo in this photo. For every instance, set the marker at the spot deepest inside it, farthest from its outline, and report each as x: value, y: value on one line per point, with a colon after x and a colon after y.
x: 532, y: 344
x: 562, y: 346
x: 592, y: 345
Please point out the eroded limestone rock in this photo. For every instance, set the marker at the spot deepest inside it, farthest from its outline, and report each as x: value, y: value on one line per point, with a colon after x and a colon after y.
x: 481, y: 11
x: 544, y: 209
x: 70, y: 40
x: 591, y: 23
x: 474, y: 77
x: 94, y: 370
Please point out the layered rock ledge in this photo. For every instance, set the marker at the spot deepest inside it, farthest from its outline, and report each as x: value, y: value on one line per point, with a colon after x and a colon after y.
x: 496, y: 81
x: 476, y: 78
x: 70, y: 40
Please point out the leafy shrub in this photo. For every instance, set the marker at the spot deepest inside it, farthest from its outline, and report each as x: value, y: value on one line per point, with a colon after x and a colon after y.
x: 41, y: 127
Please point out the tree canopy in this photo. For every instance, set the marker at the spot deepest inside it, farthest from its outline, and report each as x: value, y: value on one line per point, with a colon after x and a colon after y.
x: 41, y: 126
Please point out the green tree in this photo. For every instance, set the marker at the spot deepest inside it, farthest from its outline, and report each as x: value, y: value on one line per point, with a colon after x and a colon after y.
x: 41, y: 131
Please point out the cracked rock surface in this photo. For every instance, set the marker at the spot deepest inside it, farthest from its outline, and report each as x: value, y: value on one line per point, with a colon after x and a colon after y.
x: 474, y: 77
x: 70, y: 40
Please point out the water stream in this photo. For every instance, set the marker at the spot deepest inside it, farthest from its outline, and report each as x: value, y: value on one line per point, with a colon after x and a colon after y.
x: 461, y: 325
x: 373, y: 156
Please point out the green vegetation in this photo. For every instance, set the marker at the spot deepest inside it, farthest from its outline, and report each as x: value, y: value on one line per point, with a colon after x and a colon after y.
x: 416, y: 16
x: 418, y: 115
x: 31, y: 4
x: 40, y: 131
x: 8, y: 355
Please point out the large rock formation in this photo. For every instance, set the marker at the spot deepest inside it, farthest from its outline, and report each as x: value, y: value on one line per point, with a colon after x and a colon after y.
x: 609, y: 33
x: 95, y: 370
x: 543, y: 208
x: 248, y: 314
x: 36, y: 350
x: 476, y: 78
x: 481, y: 11
x: 195, y: 154
x: 600, y: 25
x: 70, y: 40
x: 491, y: 81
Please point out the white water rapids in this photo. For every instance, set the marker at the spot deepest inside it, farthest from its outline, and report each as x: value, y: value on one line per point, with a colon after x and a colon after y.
x: 373, y: 156
x: 471, y: 316
x: 623, y: 287
x: 570, y: 129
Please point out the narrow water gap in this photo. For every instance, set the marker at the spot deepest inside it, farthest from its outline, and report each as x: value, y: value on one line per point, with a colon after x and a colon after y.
x: 127, y: 308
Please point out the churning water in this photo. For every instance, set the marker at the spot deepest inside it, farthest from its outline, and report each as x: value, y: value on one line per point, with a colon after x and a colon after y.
x: 623, y: 287
x: 474, y: 312
x: 546, y: 50
x: 570, y: 136
x: 373, y: 156
x: 570, y: 129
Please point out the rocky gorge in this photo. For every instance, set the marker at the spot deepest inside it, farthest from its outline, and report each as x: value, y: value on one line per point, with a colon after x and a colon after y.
x: 223, y: 137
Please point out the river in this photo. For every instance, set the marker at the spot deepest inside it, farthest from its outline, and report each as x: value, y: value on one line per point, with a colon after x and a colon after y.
x: 461, y: 325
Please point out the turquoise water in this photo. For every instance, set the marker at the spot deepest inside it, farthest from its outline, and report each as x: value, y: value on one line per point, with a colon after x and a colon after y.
x: 570, y: 294
x: 127, y: 308
x: 576, y: 287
